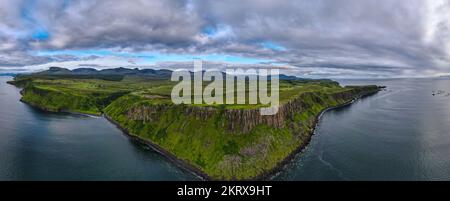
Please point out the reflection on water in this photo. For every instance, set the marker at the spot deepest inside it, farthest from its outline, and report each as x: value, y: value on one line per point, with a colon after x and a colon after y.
x: 399, y: 134
x: 36, y: 145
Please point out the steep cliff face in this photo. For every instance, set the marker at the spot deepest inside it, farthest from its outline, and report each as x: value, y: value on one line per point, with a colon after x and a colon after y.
x: 228, y: 143
x: 244, y: 120
x: 223, y: 142
x: 55, y: 101
x: 49, y: 99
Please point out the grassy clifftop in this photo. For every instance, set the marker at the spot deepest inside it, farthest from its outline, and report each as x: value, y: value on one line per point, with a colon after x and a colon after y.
x: 78, y: 95
x: 230, y: 142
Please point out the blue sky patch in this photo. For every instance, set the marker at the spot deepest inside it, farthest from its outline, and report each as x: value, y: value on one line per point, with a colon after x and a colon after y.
x: 153, y: 57
x: 209, y: 30
x: 273, y: 46
x: 40, y: 34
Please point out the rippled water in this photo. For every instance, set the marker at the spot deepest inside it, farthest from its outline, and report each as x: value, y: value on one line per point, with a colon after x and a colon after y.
x: 402, y: 133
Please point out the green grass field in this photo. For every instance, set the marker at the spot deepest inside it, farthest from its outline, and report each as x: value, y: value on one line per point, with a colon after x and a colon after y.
x: 229, y: 142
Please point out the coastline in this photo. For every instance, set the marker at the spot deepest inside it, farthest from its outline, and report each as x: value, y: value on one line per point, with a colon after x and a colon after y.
x: 62, y: 111
x: 185, y: 165
x: 178, y: 162
x: 282, y: 164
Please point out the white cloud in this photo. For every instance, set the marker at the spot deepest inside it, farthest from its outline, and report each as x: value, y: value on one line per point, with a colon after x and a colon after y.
x: 327, y: 37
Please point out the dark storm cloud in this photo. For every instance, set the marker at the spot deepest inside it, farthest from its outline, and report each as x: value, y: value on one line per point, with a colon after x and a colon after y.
x: 125, y: 24
x: 20, y: 59
x: 346, y: 33
x: 326, y: 37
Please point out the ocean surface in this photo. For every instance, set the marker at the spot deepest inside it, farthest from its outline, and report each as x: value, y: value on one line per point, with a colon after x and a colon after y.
x: 36, y: 145
x: 401, y: 133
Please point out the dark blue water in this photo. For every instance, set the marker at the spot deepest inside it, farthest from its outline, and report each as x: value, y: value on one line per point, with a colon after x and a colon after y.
x: 402, y: 133
x: 36, y: 145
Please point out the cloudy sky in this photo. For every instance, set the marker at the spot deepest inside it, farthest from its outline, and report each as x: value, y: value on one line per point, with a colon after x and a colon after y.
x: 320, y: 38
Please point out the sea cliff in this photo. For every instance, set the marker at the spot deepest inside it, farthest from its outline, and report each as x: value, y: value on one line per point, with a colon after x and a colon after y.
x: 217, y: 142
x: 228, y: 144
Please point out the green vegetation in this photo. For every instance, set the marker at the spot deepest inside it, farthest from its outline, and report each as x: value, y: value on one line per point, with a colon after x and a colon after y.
x: 81, y: 95
x: 231, y: 142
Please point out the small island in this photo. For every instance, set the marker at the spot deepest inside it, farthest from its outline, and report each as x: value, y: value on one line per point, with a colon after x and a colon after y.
x: 217, y: 142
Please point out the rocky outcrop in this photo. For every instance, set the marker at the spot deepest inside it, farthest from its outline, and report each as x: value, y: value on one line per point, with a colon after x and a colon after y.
x: 146, y: 113
x: 244, y: 120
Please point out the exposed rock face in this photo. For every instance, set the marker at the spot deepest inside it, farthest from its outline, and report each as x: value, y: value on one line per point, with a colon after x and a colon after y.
x: 244, y: 120
x: 146, y: 113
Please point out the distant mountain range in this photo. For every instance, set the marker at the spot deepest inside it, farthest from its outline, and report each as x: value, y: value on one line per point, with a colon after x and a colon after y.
x: 152, y: 73
x: 8, y: 74
x: 163, y: 74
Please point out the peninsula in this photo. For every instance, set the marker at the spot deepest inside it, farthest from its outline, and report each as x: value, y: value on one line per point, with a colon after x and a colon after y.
x: 218, y: 142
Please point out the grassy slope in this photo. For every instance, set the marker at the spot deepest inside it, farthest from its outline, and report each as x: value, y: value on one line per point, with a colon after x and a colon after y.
x: 210, y: 147
x: 205, y: 144
x: 88, y: 96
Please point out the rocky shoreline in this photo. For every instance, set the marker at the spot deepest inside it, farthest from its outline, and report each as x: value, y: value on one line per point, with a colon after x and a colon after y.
x: 270, y: 174
x: 185, y: 165
x: 180, y: 163
x: 59, y: 112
